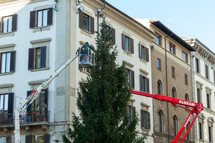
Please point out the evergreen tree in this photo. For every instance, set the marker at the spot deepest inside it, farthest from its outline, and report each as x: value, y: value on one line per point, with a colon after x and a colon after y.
x: 103, y: 98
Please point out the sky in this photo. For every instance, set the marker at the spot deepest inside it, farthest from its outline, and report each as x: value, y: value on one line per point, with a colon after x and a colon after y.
x: 186, y: 18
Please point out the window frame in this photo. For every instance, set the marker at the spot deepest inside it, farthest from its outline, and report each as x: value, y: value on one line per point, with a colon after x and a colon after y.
x: 131, y: 113
x: 173, y: 71
x: 186, y: 79
x: 131, y: 78
x: 172, y: 48
x: 144, y: 83
x: 160, y: 121
x: 159, y: 87
x: 159, y: 64
x: 158, y: 39
x: 174, y: 93
x: 145, y: 119
x: 208, y: 98
x: 129, y: 45
x: 197, y: 65
x: 11, y: 62
x: 175, y: 125
x: 206, y: 71
x: 184, y: 56
x: 37, y: 18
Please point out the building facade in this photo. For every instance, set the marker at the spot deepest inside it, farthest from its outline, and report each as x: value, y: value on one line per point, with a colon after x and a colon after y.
x: 37, y: 36
x: 171, y: 76
x: 203, y: 85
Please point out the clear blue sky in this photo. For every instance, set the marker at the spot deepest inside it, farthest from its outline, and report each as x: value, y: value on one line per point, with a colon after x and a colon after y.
x: 186, y: 18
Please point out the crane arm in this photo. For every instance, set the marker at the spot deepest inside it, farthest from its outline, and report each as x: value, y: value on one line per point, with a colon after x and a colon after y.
x: 196, y: 108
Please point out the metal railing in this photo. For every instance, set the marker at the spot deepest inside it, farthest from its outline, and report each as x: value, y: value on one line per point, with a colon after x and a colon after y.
x: 25, y: 118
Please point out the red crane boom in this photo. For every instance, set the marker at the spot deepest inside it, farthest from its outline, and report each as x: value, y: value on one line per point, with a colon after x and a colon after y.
x: 196, y: 108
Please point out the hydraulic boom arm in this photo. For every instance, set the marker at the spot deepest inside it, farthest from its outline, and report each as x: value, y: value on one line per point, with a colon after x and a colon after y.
x: 196, y: 108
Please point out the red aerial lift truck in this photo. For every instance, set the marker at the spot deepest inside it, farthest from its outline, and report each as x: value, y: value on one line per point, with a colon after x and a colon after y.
x: 197, y: 108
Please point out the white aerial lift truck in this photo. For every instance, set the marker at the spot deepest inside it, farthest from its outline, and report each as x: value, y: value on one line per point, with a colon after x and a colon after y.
x: 86, y: 58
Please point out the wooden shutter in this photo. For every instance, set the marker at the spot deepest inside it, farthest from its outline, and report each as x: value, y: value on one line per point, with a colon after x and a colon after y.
x: 28, y: 138
x: 46, y: 96
x: 147, y: 85
x: 114, y: 35
x: 31, y: 59
x: 0, y: 24
x: 148, y: 120
x: 47, y: 138
x: 142, y: 118
x: 43, y: 57
x: 32, y: 19
x: 91, y: 25
x: 132, y: 79
x: 123, y: 41
x: 14, y: 22
x: 139, y: 50
x: 133, y: 112
x: 9, y: 139
x: 10, y: 108
x: 147, y: 54
x: 80, y: 19
x: 141, y: 82
x: 50, y: 16
x: 132, y: 45
x: 12, y: 61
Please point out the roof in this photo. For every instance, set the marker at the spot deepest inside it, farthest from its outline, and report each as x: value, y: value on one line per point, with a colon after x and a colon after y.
x: 171, y: 34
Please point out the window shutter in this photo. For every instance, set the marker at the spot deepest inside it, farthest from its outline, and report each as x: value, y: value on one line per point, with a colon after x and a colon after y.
x: 80, y: 19
x: 147, y: 54
x: 46, y: 96
x: 9, y: 139
x: 28, y: 138
x: 133, y: 112
x: 148, y: 120
x: 12, y: 61
x: 132, y: 46
x: 47, y: 138
x: 139, y: 50
x: 50, y: 16
x: 91, y: 25
x: 10, y: 103
x: 14, y: 22
x: 147, y: 85
x: 114, y: 34
x: 132, y: 79
x: 142, y: 118
x: 31, y: 59
x: 28, y: 94
x: 141, y: 85
x: 0, y: 24
x: 43, y: 57
x: 123, y: 41
x: 32, y: 19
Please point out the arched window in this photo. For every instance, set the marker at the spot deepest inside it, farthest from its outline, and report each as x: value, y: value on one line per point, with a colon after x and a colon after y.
x: 188, y: 135
x: 186, y: 98
x: 161, y: 121
x: 174, y: 94
x: 175, y: 124
x: 159, y: 87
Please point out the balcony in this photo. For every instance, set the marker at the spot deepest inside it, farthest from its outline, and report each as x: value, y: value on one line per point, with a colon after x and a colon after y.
x: 25, y: 118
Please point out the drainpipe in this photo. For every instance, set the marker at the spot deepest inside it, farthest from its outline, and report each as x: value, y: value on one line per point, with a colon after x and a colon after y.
x: 167, y: 85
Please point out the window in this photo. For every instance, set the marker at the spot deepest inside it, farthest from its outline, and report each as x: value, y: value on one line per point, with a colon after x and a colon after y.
x: 127, y: 44
x: 41, y: 18
x: 210, y: 134
x: 37, y: 58
x: 112, y: 32
x: 86, y: 22
x: 145, y: 119
x: 172, y: 48
x: 158, y: 64
x: 9, y: 24
x: 159, y: 87
x: 189, y: 134
x: 131, y: 113
x: 6, y: 108
x: 161, y: 121
x: 174, y: 94
x: 7, y: 62
x: 143, y: 53
x: 144, y: 84
x: 158, y: 39
x: 38, y: 109
x: 208, y: 101
x: 187, y: 99
x: 199, y: 95
x: 200, y: 131
x: 197, y: 65
x: 184, y: 57
x: 131, y: 78
x: 175, y: 125
x: 206, y: 72
x: 7, y: 139
x: 186, y: 79
x: 173, y: 72
x: 37, y: 138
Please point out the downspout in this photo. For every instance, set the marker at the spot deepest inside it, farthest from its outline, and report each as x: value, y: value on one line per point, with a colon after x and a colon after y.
x: 167, y: 86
